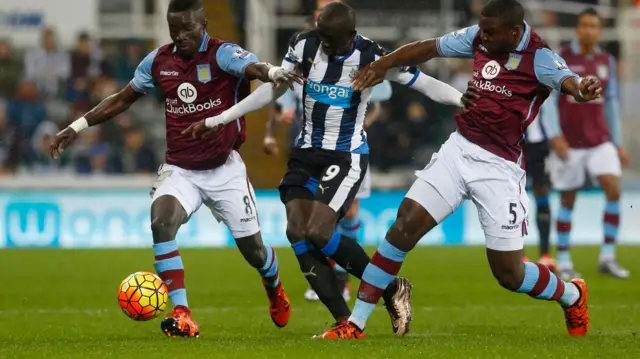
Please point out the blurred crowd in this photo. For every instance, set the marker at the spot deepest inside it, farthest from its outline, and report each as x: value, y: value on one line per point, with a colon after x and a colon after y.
x: 43, y: 89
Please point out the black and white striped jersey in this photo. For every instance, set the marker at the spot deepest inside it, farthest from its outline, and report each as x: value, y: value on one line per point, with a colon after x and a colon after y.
x: 333, y: 114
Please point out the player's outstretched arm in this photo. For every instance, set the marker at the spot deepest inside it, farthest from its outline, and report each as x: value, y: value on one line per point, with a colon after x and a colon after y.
x: 261, y: 97
x: 104, y: 111
x: 458, y: 44
x: 434, y: 89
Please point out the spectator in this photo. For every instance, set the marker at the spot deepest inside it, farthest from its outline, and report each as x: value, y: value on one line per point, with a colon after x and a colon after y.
x: 25, y: 113
x: 127, y: 62
x: 86, y: 59
x: 136, y: 156
x: 89, y: 154
x: 10, y: 70
x: 48, y: 66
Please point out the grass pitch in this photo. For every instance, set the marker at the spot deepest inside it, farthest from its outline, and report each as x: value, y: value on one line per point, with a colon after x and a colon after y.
x: 62, y: 304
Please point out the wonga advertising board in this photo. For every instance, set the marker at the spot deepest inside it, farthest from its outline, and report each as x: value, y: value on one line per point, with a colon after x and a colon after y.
x: 120, y: 219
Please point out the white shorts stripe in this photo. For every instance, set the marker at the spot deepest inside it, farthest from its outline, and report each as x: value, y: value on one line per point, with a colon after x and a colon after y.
x: 347, y: 184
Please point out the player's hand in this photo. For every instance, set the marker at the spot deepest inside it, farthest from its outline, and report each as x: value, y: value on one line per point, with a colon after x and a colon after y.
x: 370, y: 75
x: 61, y: 141
x: 201, y: 126
x: 288, y: 116
x: 560, y: 147
x: 271, y: 146
x: 625, y: 160
x: 280, y: 77
x: 470, y: 96
x: 590, y: 88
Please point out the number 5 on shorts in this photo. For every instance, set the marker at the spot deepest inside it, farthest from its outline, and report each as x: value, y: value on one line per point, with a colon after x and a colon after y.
x: 331, y: 173
x: 512, y: 212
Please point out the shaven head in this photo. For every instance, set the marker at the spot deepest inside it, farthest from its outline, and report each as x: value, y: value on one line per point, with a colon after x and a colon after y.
x: 337, y: 29
x: 187, y: 25
x: 501, y: 25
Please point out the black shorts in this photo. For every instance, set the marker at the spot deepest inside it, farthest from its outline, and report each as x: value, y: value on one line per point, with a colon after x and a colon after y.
x: 330, y: 177
x: 535, y: 155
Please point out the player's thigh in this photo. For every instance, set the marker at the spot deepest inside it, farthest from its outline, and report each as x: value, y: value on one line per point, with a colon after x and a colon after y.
x: 340, y: 179
x: 177, y: 183
x: 537, y: 161
x: 300, y: 181
x: 568, y: 174
x: 230, y: 197
x: 235, y: 205
x: 439, y: 188
x: 502, y: 203
x: 353, y: 210
x: 604, y: 160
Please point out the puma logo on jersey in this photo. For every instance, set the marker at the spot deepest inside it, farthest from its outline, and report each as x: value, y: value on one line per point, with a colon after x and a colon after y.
x: 322, y: 188
x: 310, y: 273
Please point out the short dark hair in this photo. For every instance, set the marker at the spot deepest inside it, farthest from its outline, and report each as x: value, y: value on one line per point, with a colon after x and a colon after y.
x: 510, y: 12
x: 184, y: 5
x: 588, y: 12
x: 340, y: 11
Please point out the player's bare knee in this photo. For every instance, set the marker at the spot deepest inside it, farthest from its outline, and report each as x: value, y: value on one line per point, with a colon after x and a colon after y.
x: 295, y: 233
x: 400, y: 235
x: 319, y: 234
x: 253, y: 250
x: 164, y: 228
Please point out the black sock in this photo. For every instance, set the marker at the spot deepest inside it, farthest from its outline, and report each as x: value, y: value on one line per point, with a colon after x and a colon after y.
x: 347, y: 253
x: 322, y: 277
x: 543, y: 219
x: 342, y: 279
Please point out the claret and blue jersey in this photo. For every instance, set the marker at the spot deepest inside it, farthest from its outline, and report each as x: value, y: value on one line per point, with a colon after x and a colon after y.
x: 512, y: 86
x: 205, y: 85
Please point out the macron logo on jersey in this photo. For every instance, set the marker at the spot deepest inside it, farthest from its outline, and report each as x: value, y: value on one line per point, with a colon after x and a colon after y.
x: 169, y: 73
x: 338, y: 96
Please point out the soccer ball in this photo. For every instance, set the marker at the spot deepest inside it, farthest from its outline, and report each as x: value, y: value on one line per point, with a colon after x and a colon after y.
x: 142, y: 296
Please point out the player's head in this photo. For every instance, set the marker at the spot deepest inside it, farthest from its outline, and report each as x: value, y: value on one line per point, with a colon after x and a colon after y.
x: 187, y: 25
x: 501, y: 25
x: 589, y: 27
x: 337, y: 29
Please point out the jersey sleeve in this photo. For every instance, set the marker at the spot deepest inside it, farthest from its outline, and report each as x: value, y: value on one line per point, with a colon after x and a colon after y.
x: 612, y: 104
x: 551, y: 69
x: 293, y: 57
x: 458, y: 44
x: 406, y: 75
x: 233, y: 59
x: 143, y: 78
x: 381, y: 92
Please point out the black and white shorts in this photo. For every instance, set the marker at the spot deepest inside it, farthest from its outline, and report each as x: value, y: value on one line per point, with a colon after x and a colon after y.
x: 330, y: 177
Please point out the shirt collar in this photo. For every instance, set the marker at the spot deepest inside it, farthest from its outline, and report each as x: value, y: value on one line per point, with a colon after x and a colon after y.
x: 526, y: 37
x: 204, y: 45
x: 576, y: 48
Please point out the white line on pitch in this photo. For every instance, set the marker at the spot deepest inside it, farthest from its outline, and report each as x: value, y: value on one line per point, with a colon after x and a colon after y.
x: 211, y: 309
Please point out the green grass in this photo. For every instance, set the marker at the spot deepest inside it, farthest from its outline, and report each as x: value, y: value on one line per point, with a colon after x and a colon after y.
x: 62, y: 304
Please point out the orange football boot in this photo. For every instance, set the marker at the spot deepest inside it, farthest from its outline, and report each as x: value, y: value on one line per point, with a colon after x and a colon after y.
x: 179, y: 323
x: 342, y: 330
x: 577, y: 315
x: 279, y: 307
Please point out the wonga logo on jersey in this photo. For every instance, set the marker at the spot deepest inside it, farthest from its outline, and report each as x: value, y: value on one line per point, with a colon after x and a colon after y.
x: 333, y: 95
x: 32, y: 224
